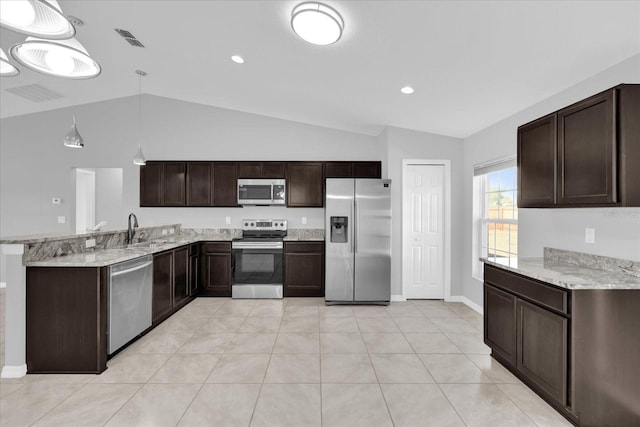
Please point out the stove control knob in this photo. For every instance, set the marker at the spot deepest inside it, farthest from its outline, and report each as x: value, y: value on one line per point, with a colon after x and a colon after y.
x: 246, y: 223
x: 252, y: 224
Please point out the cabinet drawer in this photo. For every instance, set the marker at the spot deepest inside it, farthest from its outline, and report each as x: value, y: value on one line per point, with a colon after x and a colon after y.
x: 538, y: 292
x: 303, y: 247
x: 217, y: 247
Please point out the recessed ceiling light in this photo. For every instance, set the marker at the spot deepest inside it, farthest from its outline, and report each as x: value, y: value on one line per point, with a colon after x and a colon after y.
x: 407, y: 90
x: 237, y: 59
x: 317, y: 23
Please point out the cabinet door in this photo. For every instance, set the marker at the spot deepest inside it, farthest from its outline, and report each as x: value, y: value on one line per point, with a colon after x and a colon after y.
x: 216, y: 270
x: 249, y: 170
x: 199, y: 184
x: 500, y: 322
x: 537, y: 163
x: 180, y: 275
x: 542, y: 348
x: 305, y: 185
x: 162, y: 285
x: 194, y: 274
x: 367, y: 170
x: 273, y: 170
x: 338, y: 170
x: 225, y: 185
x: 587, y: 152
x: 304, y: 269
x: 151, y: 184
x: 173, y: 184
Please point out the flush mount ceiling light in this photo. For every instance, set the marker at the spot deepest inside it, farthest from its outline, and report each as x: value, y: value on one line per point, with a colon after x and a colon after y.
x: 237, y: 59
x: 73, y: 138
x: 407, y: 90
x: 317, y: 23
x: 139, y: 158
x: 6, y: 68
x: 61, y: 58
x: 40, y: 18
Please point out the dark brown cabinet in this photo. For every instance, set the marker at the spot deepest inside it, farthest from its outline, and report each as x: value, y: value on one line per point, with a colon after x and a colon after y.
x: 225, y: 186
x: 162, y: 285
x: 500, y: 322
x: 180, y: 275
x: 537, y: 163
x: 589, y: 151
x: 542, y: 348
x: 66, y: 319
x: 303, y: 269
x: 199, y: 184
x: 261, y: 170
x: 151, y: 184
x: 162, y: 184
x: 305, y: 184
x: 194, y: 269
x: 216, y: 270
x: 353, y: 170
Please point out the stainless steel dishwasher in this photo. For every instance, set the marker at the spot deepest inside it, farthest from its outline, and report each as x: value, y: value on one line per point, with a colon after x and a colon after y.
x: 130, y: 296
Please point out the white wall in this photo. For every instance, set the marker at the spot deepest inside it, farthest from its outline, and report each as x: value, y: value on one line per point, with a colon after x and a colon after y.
x: 35, y: 166
x: 407, y: 144
x: 109, y: 198
x: 617, y: 234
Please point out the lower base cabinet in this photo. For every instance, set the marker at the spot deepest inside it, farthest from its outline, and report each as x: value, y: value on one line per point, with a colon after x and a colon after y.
x: 171, y: 282
x: 303, y: 269
x: 216, y: 271
x: 577, y: 349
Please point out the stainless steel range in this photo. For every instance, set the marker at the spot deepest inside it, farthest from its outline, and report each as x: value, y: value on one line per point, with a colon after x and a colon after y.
x: 257, y: 259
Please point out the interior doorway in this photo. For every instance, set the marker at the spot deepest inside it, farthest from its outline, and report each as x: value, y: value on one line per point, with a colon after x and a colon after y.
x: 426, y: 229
x: 85, y: 200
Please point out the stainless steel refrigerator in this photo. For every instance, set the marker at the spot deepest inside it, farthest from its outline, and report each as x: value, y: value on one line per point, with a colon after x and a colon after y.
x: 358, y: 241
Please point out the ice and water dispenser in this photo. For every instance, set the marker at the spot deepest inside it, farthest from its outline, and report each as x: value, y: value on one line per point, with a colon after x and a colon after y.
x: 339, y: 229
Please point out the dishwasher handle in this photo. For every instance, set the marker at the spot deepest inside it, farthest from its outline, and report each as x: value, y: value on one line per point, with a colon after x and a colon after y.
x: 130, y: 270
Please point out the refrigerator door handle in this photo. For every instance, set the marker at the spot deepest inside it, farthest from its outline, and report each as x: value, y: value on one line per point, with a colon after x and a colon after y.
x: 356, y: 218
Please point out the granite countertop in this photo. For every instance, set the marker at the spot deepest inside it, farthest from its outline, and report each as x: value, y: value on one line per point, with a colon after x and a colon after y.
x: 568, y: 275
x: 105, y: 257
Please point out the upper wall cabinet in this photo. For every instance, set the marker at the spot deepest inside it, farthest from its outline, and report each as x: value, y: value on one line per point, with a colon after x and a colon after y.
x: 199, y: 183
x: 353, y: 170
x: 589, y: 151
x: 225, y: 186
x: 305, y: 184
x: 162, y: 184
x: 261, y: 170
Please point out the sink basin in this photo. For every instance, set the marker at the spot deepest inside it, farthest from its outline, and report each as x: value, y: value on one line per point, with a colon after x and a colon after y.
x: 145, y: 245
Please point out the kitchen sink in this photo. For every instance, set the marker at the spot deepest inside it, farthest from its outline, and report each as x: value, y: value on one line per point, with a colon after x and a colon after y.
x: 146, y: 245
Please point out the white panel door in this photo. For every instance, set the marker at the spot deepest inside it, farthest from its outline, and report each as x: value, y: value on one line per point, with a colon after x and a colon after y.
x: 423, y: 231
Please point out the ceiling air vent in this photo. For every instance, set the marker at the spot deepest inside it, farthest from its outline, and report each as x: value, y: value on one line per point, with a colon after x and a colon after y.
x: 34, y: 93
x: 130, y: 38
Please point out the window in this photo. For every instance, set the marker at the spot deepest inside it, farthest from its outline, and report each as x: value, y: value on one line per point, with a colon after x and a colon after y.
x: 495, y: 213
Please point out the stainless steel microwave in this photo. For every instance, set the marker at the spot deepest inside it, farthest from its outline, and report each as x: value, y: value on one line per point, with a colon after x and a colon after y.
x: 261, y: 192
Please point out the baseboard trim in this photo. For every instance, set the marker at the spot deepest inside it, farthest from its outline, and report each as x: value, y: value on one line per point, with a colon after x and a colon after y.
x: 466, y: 301
x: 18, y: 371
x: 398, y: 298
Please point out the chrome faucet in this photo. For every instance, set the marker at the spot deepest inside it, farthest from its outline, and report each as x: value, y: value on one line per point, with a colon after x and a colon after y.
x: 131, y: 230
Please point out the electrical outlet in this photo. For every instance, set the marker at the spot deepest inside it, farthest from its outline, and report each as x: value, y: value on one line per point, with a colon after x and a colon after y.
x: 90, y: 243
x: 56, y: 201
x: 589, y: 235
x: 172, y: 231
x: 304, y: 220
x: 164, y: 231
x: 62, y: 219
x: 227, y: 220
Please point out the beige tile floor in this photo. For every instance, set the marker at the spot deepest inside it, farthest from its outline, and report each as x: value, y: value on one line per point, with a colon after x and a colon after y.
x: 292, y: 362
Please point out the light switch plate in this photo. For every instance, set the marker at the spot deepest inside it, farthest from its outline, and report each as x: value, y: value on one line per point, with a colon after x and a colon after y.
x: 90, y: 243
x: 304, y: 220
x: 62, y: 220
x: 227, y: 220
x: 589, y: 235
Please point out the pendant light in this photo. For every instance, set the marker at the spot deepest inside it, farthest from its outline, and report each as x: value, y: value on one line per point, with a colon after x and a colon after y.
x: 61, y: 58
x: 73, y: 138
x: 6, y: 68
x: 139, y: 158
x: 39, y: 18
x: 317, y: 23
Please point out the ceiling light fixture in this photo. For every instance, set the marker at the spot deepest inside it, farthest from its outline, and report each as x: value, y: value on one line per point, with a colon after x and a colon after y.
x: 407, y: 90
x: 237, y: 59
x: 317, y: 23
x: 40, y: 18
x: 73, y: 138
x: 6, y: 68
x: 61, y: 58
x: 139, y: 158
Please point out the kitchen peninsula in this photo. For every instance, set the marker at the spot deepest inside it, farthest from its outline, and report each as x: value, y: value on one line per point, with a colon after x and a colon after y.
x: 567, y: 326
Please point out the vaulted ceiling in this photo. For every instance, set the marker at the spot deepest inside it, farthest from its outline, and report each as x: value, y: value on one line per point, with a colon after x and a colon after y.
x: 472, y: 63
